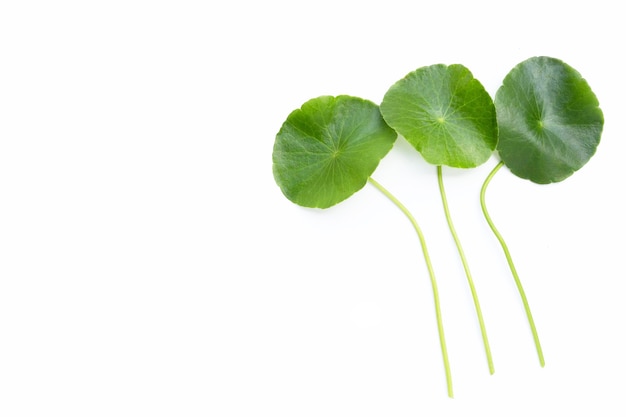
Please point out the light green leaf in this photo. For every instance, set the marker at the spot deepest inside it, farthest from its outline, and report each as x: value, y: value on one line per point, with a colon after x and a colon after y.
x: 327, y: 149
x: 549, y: 120
x: 445, y: 113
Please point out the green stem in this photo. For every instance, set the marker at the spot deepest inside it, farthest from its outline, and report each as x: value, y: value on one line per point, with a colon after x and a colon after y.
x: 470, y: 281
x: 518, y: 283
x: 433, y: 282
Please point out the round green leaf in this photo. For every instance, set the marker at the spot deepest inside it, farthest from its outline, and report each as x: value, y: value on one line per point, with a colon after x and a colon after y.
x: 327, y: 149
x: 549, y: 120
x: 445, y: 113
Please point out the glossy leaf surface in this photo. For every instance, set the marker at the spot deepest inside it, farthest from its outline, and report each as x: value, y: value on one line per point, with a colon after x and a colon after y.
x: 445, y: 113
x: 326, y: 150
x: 549, y: 120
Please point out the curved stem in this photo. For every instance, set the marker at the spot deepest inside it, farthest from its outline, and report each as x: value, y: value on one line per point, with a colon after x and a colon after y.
x: 433, y: 282
x: 470, y: 281
x: 518, y: 283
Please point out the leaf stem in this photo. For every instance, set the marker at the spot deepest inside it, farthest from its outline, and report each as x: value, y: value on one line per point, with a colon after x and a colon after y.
x: 518, y: 283
x: 433, y: 282
x: 470, y: 281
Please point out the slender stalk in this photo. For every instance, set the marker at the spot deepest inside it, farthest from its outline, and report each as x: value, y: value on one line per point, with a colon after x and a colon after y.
x: 470, y: 281
x: 433, y: 282
x: 518, y: 283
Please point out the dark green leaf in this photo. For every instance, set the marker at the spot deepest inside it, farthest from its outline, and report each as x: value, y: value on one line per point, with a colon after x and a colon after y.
x: 327, y: 149
x: 549, y: 120
x: 445, y: 113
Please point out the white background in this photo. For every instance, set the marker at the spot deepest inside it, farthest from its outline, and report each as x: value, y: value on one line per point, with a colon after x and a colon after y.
x: 149, y: 265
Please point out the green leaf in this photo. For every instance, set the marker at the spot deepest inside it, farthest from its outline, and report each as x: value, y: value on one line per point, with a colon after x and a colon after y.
x: 327, y: 149
x: 549, y: 120
x: 445, y: 113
